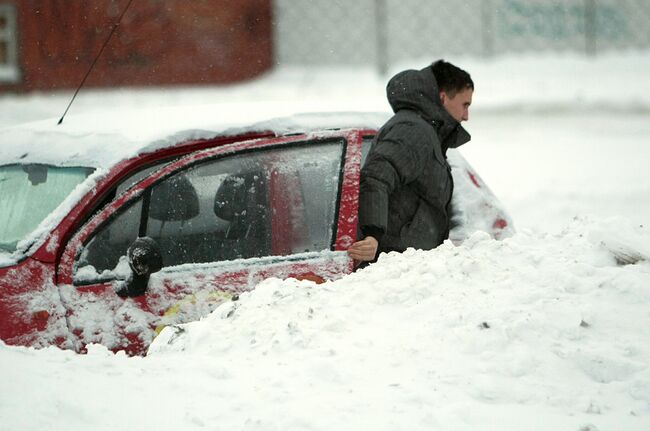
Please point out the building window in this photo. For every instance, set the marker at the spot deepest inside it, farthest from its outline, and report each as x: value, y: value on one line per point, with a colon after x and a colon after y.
x: 8, y: 44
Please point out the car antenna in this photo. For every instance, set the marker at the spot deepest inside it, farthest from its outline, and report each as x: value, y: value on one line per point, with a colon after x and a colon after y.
x: 95, y: 61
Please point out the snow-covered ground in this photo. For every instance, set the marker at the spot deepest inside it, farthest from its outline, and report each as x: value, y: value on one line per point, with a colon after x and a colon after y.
x: 545, y: 330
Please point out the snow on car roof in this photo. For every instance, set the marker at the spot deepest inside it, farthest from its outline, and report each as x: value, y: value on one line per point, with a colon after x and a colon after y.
x: 101, y: 139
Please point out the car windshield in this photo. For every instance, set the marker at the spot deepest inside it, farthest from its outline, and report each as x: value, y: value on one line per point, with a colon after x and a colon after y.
x: 28, y: 194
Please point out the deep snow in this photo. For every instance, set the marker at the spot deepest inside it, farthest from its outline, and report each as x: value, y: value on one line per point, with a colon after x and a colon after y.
x: 545, y: 330
x: 536, y: 332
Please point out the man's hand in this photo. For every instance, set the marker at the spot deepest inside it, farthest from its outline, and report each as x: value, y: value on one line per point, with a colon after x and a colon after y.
x: 364, y: 250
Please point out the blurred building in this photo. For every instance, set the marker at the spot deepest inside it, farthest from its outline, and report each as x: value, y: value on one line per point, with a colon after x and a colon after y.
x: 50, y: 44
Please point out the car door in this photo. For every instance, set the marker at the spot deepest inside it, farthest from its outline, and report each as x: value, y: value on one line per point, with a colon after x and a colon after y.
x: 221, y: 221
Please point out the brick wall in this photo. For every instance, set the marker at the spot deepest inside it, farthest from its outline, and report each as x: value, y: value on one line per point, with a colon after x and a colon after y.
x: 159, y: 42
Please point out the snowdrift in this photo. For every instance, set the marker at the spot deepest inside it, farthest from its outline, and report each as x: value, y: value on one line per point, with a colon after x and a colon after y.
x: 534, y: 332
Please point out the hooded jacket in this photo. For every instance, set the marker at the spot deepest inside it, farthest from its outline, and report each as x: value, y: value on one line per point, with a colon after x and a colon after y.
x: 406, y: 183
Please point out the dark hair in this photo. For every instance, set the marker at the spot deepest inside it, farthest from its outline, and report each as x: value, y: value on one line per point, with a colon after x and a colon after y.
x: 451, y: 79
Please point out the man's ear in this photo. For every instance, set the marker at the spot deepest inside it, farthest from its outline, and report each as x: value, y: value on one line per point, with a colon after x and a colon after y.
x: 443, y: 97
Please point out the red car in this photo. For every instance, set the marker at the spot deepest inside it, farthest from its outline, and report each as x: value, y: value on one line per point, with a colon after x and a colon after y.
x: 107, y: 236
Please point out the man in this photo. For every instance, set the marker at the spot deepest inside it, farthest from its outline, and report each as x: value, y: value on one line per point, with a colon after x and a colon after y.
x: 406, y: 182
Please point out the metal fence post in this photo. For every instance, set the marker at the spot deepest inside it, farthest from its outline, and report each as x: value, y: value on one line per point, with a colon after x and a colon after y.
x: 590, y: 27
x: 487, y: 27
x: 381, y: 36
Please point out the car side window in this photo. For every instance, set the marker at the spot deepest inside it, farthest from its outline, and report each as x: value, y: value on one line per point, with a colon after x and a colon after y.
x: 267, y: 202
x: 104, y: 256
x: 366, y: 144
x: 138, y: 176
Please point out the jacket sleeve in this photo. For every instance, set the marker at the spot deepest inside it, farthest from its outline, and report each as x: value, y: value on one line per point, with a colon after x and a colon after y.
x: 396, y: 159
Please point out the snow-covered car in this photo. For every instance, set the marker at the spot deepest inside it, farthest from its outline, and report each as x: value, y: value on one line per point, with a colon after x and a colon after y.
x: 113, y: 226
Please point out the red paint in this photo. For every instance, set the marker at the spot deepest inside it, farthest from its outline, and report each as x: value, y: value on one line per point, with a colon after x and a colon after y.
x: 472, y: 177
x: 500, y: 224
x: 349, y: 201
x: 18, y: 324
x: 309, y: 276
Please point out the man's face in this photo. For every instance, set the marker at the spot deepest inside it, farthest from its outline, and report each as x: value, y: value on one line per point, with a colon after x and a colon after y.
x: 458, y: 106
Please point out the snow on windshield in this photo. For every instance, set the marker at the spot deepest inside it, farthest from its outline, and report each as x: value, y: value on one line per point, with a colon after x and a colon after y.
x: 41, y: 210
x: 29, y: 193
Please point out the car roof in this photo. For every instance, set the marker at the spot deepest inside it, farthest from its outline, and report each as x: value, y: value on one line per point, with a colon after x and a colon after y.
x: 102, y: 138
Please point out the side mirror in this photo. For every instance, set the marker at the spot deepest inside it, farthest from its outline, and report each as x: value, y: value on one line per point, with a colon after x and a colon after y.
x: 144, y: 259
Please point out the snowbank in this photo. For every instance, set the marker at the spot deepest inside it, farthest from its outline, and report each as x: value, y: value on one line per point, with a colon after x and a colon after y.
x: 545, y: 330
x: 533, y: 332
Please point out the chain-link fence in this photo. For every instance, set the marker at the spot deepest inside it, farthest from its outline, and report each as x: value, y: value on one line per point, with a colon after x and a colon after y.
x: 386, y: 32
